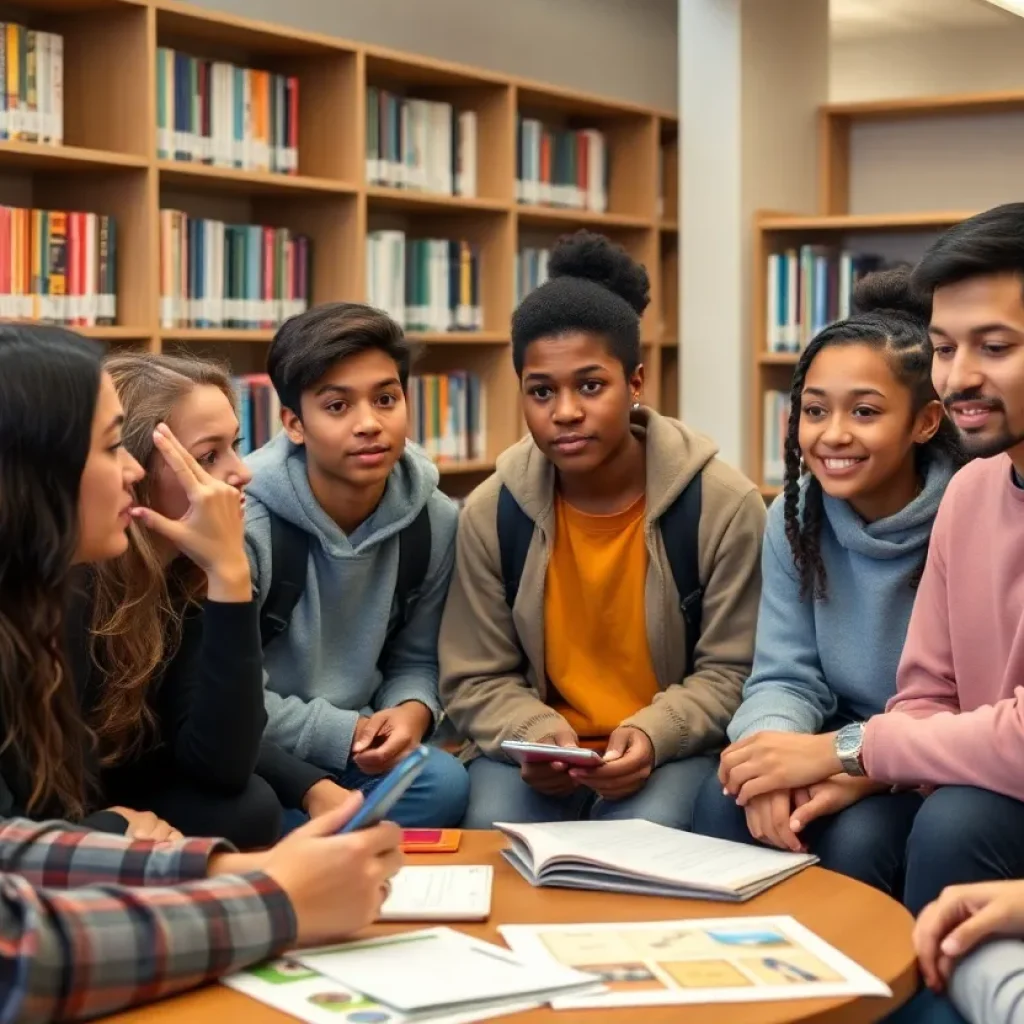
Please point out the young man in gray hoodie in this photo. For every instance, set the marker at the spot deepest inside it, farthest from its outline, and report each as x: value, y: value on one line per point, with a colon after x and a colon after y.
x: 352, y: 546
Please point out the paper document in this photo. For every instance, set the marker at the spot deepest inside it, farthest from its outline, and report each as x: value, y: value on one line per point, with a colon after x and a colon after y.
x: 460, y: 892
x: 439, y: 969
x: 717, y: 960
x: 639, y: 856
x: 307, y: 995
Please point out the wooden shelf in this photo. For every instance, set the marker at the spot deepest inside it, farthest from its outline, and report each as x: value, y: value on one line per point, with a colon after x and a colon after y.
x: 183, y: 174
x: 111, y: 166
x: 864, y: 221
x: 929, y: 106
x: 778, y: 358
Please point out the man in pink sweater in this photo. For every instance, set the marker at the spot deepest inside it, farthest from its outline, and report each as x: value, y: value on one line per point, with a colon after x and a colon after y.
x: 956, y: 724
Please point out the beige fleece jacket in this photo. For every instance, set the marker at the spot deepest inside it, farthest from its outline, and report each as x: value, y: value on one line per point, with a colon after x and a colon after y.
x: 482, y: 641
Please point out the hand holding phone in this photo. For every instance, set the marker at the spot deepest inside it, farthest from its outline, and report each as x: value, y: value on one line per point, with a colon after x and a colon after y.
x: 388, y: 791
x: 551, y: 777
x: 549, y: 753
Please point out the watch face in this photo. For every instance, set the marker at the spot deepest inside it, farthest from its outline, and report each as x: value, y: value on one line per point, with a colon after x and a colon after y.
x: 849, y: 740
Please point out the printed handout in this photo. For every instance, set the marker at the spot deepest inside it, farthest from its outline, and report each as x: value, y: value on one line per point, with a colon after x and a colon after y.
x: 716, y: 960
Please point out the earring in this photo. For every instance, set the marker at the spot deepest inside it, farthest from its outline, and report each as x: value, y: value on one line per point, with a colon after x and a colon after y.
x: 636, y: 405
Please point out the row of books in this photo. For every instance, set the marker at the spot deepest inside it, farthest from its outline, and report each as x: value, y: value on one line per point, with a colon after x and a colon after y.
x: 425, y: 284
x: 245, y: 276
x: 807, y: 289
x: 422, y: 145
x: 561, y: 167
x: 446, y: 414
x: 31, y: 85
x: 213, y: 112
x: 531, y: 270
x: 776, y: 423
x: 58, y: 266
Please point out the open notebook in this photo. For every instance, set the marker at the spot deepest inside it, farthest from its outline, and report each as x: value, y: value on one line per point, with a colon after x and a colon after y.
x: 640, y: 857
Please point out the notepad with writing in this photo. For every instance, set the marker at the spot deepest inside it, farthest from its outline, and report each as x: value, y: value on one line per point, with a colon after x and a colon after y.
x: 458, y: 892
x: 644, y: 858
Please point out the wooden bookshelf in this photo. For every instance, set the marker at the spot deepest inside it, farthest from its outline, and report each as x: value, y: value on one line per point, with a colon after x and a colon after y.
x: 835, y: 224
x: 109, y: 164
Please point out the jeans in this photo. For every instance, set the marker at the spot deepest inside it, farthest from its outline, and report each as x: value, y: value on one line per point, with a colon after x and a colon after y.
x: 437, y: 799
x: 866, y: 841
x: 497, y: 793
x: 962, y: 834
x: 926, y: 1008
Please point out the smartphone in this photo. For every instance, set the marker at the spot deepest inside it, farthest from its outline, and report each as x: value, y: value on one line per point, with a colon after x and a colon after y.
x: 388, y: 791
x: 530, y: 753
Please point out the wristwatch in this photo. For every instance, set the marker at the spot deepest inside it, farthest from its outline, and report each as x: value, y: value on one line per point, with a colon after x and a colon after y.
x: 848, y: 745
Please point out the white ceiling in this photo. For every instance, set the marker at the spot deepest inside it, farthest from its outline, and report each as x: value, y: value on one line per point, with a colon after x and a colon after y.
x: 853, y: 19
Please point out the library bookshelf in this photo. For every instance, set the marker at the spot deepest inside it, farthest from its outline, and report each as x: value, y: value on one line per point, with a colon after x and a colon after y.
x: 838, y: 234
x: 119, y: 158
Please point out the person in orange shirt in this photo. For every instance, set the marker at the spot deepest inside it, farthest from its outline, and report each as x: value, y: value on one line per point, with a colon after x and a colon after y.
x: 607, y: 574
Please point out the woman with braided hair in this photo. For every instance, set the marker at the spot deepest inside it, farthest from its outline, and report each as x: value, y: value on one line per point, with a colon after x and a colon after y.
x: 868, y: 456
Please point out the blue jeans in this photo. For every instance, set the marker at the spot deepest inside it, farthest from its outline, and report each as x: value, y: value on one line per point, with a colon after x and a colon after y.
x: 437, y: 799
x: 497, y: 793
x: 926, y: 1008
x: 866, y: 841
x: 962, y: 834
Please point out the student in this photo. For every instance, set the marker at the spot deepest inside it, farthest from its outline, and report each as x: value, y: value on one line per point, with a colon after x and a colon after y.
x: 868, y: 457
x: 564, y: 623
x: 179, y: 676
x: 955, y: 723
x: 75, y: 952
x: 351, y: 545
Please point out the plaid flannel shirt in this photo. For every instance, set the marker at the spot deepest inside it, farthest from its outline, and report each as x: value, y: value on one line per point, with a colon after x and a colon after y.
x: 91, y: 923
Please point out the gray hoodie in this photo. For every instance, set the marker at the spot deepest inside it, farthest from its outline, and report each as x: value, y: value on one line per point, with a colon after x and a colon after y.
x: 323, y: 671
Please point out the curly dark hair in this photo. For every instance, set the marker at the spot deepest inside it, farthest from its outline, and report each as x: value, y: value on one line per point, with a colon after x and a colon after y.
x: 889, y: 316
x: 594, y: 285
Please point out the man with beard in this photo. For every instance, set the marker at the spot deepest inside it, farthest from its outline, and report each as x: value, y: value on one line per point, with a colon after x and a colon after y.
x: 956, y: 724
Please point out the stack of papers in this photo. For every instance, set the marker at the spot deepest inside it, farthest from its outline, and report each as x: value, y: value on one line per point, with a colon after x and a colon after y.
x: 459, y: 892
x: 644, y: 858
x: 438, y: 971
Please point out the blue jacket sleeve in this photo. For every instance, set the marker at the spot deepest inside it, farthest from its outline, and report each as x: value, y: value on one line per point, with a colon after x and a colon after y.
x: 786, y: 690
x: 410, y: 666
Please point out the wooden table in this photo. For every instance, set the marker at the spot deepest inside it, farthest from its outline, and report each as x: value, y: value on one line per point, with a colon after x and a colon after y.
x: 860, y: 921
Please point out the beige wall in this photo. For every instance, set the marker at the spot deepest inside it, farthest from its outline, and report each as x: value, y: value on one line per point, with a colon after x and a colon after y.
x: 928, y: 64
x: 625, y: 49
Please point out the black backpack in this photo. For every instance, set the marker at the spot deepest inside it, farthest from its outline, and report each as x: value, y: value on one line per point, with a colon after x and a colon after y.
x: 289, y: 562
x: 678, y: 532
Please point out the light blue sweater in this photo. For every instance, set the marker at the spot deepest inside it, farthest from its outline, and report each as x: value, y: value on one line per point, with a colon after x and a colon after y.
x: 814, y: 660
x: 322, y: 672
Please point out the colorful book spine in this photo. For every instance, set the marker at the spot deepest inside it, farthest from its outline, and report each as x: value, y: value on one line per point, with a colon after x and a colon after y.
x: 420, y: 145
x: 447, y: 415
x: 531, y: 271
x: 259, y: 410
x: 561, y: 167
x: 241, y: 276
x: 216, y: 113
x: 808, y: 288
x: 31, y: 85
x: 58, y: 267
x: 425, y: 284
x: 776, y: 423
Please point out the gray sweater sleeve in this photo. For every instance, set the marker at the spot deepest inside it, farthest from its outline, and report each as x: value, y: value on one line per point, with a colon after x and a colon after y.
x: 988, y: 985
x: 787, y: 690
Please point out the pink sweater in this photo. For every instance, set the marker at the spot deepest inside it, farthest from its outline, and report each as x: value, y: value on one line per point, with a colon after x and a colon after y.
x: 958, y: 713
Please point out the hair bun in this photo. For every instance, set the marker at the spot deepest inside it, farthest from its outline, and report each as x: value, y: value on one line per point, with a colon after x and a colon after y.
x: 891, y: 291
x: 594, y: 257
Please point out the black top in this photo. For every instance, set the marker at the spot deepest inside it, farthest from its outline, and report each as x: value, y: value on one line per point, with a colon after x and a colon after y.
x: 210, y: 716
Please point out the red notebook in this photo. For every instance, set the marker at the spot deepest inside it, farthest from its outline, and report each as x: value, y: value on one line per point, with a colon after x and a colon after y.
x: 431, y: 840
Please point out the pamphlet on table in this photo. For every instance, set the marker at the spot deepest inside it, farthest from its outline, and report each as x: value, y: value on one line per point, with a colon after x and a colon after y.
x: 715, y: 960
x: 457, y: 892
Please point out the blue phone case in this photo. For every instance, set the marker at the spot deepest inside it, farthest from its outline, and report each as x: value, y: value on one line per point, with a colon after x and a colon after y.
x: 388, y: 792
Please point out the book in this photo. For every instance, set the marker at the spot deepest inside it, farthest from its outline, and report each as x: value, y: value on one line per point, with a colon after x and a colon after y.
x: 438, y: 970
x: 646, y: 859
x: 457, y: 892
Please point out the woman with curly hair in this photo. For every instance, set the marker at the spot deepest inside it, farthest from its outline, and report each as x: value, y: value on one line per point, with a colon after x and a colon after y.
x: 868, y: 457
x: 591, y: 638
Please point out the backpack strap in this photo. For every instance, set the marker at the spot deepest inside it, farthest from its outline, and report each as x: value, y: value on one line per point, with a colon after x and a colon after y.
x: 289, y: 560
x: 679, y: 527
x: 515, y: 531
x: 414, y: 543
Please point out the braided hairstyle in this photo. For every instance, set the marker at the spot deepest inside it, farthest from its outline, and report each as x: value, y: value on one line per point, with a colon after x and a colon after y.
x: 889, y: 317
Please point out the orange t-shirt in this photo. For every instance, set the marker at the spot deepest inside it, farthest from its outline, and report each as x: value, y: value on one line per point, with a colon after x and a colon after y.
x: 595, y: 624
